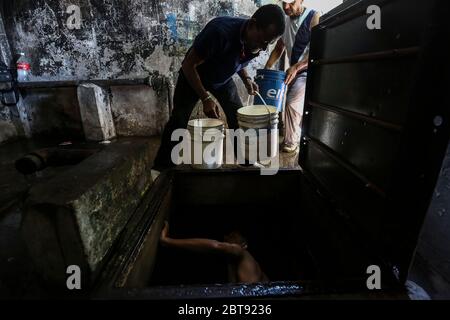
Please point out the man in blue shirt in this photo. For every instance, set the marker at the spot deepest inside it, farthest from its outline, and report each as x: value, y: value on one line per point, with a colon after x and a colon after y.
x: 223, y: 48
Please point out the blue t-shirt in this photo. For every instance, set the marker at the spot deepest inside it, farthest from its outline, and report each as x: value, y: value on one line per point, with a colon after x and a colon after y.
x: 220, y: 45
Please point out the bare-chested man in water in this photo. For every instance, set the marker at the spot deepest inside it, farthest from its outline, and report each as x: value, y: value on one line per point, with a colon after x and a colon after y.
x: 242, y: 267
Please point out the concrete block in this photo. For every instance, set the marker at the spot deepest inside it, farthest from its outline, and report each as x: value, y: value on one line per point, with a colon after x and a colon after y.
x: 96, y: 115
x: 76, y: 217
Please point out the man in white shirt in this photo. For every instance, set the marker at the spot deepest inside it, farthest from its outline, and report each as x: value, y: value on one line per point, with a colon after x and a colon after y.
x: 295, y: 42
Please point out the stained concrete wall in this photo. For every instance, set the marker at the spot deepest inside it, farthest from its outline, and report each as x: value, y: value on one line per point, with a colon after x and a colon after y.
x: 53, y: 112
x: 116, y: 39
x: 8, y: 130
x: 8, y: 125
x: 134, y: 115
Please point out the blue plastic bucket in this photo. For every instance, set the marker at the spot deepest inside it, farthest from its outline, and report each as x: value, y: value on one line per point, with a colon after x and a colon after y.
x: 271, y: 87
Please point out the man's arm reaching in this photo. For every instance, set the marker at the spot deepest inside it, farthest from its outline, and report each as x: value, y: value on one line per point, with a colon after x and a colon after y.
x: 275, y: 54
x: 189, y: 66
x: 200, y: 245
x: 251, y: 86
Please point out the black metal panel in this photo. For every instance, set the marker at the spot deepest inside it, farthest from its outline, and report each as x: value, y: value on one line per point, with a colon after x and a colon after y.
x: 379, y: 89
x: 376, y: 122
x: 351, y: 195
x: 346, y: 33
x: 371, y: 149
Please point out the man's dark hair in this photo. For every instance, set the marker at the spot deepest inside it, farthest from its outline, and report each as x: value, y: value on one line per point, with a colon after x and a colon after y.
x: 270, y: 14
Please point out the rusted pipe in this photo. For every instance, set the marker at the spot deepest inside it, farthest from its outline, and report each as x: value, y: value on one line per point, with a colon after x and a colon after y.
x: 51, y: 157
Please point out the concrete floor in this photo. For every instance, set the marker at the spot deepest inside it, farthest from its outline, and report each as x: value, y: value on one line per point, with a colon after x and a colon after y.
x: 17, y: 278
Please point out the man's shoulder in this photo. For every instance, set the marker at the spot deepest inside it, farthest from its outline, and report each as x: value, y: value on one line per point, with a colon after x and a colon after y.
x: 315, y: 13
x: 226, y: 25
x: 228, y: 20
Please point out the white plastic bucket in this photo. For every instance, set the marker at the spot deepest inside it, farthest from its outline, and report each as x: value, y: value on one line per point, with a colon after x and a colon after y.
x: 260, y: 124
x: 207, y: 136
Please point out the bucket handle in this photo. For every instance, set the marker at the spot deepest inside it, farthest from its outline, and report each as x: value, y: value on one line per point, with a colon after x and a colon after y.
x: 248, y: 100
x: 262, y: 99
x: 265, y: 104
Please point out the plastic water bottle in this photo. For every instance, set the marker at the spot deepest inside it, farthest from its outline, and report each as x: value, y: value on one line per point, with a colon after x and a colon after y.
x: 23, y: 68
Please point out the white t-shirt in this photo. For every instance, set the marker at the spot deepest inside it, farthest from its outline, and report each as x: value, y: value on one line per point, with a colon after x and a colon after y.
x: 292, y: 26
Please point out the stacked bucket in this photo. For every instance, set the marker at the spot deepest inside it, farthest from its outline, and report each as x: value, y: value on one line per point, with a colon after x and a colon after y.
x: 260, y: 126
x: 261, y: 121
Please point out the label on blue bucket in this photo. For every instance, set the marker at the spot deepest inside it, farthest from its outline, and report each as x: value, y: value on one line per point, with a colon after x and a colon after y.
x: 271, y: 87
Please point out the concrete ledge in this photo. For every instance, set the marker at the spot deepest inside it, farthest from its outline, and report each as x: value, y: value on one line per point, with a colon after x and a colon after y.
x: 75, y: 218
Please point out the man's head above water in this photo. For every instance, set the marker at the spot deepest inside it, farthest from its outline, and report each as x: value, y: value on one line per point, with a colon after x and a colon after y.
x: 292, y: 8
x: 264, y: 27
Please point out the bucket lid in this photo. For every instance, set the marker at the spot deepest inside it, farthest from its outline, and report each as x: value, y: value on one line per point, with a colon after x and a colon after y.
x: 257, y: 110
x: 205, y: 123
